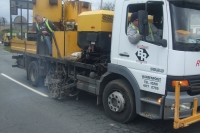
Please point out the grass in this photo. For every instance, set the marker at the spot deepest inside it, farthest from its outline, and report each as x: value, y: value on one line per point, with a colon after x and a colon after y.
x: 7, y: 48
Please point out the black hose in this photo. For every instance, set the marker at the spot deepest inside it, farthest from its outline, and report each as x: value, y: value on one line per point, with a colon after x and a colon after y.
x: 56, y: 46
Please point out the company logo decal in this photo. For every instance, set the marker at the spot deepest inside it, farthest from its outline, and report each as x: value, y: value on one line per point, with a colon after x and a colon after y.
x: 142, y: 55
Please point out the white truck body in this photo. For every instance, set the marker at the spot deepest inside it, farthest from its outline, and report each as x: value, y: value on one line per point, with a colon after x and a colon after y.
x: 151, y: 64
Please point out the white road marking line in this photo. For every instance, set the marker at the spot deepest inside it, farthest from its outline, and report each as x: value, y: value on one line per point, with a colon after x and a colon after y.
x: 27, y: 87
x: 5, y: 51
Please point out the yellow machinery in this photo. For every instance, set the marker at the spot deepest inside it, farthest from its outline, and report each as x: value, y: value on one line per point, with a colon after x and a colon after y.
x: 68, y: 37
x: 99, y: 20
x: 94, y: 32
x: 6, y: 38
x: 52, y: 11
x: 64, y: 16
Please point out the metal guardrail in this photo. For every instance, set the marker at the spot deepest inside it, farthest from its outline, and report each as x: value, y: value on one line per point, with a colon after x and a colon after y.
x: 181, y: 123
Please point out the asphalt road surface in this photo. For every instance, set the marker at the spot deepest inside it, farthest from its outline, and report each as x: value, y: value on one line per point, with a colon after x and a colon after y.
x: 25, y: 109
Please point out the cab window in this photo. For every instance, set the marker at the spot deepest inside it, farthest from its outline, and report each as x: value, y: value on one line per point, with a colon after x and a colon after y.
x: 155, y: 19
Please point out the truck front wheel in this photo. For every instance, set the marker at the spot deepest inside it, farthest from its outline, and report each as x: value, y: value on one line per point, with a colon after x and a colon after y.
x: 33, y: 73
x: 119, y: 101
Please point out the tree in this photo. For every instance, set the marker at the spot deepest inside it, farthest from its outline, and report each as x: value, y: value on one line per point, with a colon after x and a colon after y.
x: 108, y: 6
x: 3, y: 21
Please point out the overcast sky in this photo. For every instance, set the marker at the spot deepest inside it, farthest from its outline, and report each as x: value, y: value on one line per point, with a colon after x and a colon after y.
x: 5, y: 11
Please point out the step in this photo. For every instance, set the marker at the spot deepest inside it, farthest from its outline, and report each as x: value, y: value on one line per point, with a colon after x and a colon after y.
x: 150, y: 100
x: 150, y: 115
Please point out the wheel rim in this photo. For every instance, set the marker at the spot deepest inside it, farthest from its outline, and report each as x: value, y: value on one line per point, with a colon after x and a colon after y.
x: 33, y: 74
x: 116, y: 102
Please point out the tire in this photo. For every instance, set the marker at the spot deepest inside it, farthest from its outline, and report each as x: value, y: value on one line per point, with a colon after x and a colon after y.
x: 33, y: 73
x: 6, y: 44
x: 115, y: 94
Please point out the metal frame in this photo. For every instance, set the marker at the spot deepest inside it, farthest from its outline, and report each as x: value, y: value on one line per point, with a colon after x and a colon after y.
x: 28, y: 2
x: 55, y: 60
x: 180, y: 123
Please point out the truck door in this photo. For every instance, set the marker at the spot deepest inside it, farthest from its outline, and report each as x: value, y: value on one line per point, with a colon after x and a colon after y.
x: 146, y: 61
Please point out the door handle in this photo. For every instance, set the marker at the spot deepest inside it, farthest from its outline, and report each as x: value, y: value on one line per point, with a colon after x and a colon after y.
x: 122, y: 54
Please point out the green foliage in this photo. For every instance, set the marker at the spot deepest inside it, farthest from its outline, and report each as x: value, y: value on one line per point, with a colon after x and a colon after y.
x: 108, y: 6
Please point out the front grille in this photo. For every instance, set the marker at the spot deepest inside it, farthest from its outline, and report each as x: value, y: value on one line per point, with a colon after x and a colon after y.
x: 194, y: 82
x: 194, y: 86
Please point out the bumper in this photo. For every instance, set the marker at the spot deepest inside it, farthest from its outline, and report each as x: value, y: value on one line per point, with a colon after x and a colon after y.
x: 191, y: 116
x: 184, y: 98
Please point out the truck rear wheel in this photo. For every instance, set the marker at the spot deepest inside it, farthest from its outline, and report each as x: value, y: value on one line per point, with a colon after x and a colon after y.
x: 119, y: 101
x: 33, y: 73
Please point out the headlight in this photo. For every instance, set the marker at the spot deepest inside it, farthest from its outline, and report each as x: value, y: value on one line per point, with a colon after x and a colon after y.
x: 183, y: 106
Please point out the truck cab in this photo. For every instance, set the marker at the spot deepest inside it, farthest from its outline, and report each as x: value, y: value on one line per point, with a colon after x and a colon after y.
x: 152, y: 67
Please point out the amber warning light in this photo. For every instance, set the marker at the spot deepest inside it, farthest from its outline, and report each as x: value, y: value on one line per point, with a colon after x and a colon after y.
x: 159, y: 100
x: 182, y: 82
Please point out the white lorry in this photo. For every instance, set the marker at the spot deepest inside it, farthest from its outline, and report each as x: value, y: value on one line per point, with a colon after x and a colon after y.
x: 139, y: 79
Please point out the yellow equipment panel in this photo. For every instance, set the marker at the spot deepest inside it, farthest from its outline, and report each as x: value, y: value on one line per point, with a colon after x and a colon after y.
x: 17, y: 45
x: 51, y: 12
x: 23, y: 46
x: 67, y: 45
x: 99, y: 20
x: 31, y: 47
x: 71, y: 44
x: 74, y: 8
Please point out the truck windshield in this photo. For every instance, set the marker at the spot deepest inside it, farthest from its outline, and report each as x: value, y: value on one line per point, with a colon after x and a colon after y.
x: 185, y: 18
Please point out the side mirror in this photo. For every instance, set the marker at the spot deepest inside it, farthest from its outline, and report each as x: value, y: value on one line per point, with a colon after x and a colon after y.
x: 143, y: 23
x: 162, y: 42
